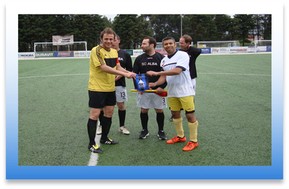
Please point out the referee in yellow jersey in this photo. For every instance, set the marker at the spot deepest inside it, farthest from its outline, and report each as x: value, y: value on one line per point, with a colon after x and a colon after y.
x: 103, y: 66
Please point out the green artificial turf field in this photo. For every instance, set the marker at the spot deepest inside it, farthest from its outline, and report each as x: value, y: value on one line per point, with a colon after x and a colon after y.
x: 233, y: 106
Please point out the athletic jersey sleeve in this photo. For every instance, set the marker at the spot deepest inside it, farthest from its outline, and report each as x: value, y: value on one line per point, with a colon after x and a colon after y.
x: 117, y: 61
x: 183, y: 69
x: 136, y: 67
x: 183, y: 61
x: 196, y: 52
x: 99, y: 56
x: 93, y: 58
x: 128, y: 62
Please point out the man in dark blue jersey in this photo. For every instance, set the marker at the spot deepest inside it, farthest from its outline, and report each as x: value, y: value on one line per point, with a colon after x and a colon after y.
x: 150, y: 61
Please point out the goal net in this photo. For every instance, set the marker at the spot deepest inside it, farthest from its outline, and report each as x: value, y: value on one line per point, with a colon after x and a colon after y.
x: 209, y: 44
x: 49, y: 49
x: 261, y: 45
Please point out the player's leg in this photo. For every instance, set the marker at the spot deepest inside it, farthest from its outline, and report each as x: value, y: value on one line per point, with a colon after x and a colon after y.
x: 159, y: 103
x: 121, y: 113
x: 121, y: 117
x: 110, y: 102
x: 99, y: 127
x: 143, y: 101
x: 144, y: 123
x: 121, y: 97
x: 189, y: 107
x: 194, y: 84
x: 95, y: 104
x: 160, y: 118
x: 176, y: 107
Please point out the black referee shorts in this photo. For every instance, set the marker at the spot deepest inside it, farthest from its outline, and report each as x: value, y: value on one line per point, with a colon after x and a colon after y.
x: 101, y: 99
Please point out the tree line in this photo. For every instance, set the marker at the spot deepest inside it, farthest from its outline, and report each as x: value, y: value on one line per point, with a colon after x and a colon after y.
x: 132, y: 28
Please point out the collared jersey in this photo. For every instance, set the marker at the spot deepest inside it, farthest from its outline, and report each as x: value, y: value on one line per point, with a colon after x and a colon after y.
x: 178, y: 85
x: 99, y: 80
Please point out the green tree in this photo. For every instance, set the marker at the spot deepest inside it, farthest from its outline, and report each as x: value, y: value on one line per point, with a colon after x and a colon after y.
x: 88, y: 27
x: 131, y: 29
x: 200, y: 27
x: 41, y: 28
x: 242, y: 24
x: 165, y: 25
x: 223, y: 24
x: 267, y: 26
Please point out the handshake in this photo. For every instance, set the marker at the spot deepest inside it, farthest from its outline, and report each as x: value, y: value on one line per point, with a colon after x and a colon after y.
x: 130, y: 75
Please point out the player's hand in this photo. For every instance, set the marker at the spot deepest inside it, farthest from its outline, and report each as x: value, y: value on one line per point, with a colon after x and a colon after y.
x: 130, y: 75
x: 151, y: 73
x: 160, y: 90
x: 152, y: 85
x: 118, y: 77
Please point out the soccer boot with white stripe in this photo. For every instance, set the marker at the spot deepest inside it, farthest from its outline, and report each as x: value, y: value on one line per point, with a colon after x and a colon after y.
x: 144, y: 134
x: 162, y: 135
x: 94, y: 148
x: 108, y: 141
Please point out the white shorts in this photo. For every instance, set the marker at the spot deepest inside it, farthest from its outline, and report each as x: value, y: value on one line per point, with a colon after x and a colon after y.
x: 151, y: 100
x: 194, y: 83
x: 121, y: 94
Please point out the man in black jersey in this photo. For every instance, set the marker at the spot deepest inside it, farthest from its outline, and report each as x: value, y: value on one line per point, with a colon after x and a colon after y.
x: 120, y: 91
x: 150, y: 61
x: 193, y: 52
x: 120, y: 88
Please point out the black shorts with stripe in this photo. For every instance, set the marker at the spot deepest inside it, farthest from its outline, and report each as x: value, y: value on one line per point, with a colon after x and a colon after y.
x: 101, y: 99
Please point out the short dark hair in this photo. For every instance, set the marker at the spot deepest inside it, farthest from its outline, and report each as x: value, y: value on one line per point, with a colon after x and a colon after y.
x: 151, y: 40
x: 168, y: 38
x: 107, y: 31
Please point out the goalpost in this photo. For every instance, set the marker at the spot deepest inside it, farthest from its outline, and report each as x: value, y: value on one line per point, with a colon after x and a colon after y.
x: 209, y: 44
x: 262, y: 45
x: 229, y: 47
x: 49, y: 49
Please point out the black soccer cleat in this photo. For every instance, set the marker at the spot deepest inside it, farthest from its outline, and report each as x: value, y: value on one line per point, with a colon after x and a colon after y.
x: 108, y: 141
x: 95, y: 148
x: 162, y: 135
x: 144, y: 134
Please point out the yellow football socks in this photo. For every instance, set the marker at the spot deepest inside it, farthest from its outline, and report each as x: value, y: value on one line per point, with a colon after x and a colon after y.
x: 179, y: 127
x: 193, y: 131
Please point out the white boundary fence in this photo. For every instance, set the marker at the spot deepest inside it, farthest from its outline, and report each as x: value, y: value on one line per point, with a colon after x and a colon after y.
x: 136, y: 52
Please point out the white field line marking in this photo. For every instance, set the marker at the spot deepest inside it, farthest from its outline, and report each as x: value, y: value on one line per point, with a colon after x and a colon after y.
x: 58, y: 75
x: 239, y: 74
x: 93, y: 160
x: 85, y: 74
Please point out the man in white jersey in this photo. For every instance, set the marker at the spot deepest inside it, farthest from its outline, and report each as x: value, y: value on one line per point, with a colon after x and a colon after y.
x: 180, y: 92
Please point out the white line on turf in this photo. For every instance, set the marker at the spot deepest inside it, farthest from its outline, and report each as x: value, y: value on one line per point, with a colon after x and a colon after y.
x: 239, y: 74
x: 58, y: 75
x: 93, y: 160
x: 85, y: 74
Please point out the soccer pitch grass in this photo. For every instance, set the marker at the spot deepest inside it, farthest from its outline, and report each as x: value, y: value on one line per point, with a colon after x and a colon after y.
x: 233, y: 106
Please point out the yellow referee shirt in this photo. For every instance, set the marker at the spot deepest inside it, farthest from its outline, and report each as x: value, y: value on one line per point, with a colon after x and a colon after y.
x: 99, y: 80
